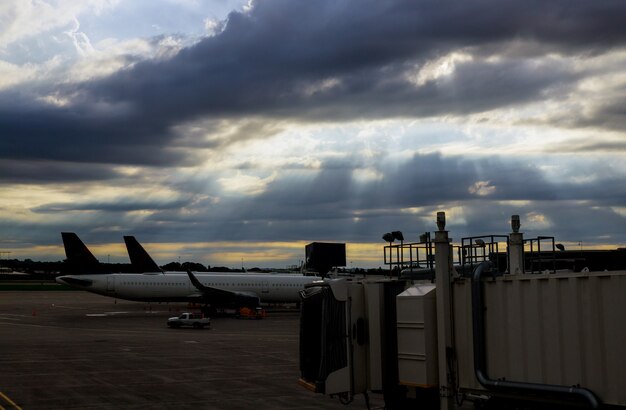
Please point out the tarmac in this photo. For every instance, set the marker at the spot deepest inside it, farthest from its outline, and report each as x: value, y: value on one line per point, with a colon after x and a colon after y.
x: 77, y: 350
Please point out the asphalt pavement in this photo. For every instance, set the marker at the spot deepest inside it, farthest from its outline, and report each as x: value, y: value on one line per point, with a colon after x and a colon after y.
x: 76, y: 350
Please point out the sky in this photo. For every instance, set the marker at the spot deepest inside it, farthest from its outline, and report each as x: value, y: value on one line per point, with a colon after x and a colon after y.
x: 231, y: 132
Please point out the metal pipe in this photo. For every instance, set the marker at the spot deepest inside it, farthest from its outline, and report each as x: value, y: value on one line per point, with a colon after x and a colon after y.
x: 478, y: 327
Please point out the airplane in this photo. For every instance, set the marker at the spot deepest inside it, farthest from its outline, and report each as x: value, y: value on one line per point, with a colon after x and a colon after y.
x: 153, y: 285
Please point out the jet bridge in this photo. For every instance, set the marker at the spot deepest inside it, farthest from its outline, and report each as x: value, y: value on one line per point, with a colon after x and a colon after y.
x: 498, y: 335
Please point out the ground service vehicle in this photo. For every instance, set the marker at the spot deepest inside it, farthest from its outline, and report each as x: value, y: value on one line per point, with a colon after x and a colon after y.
x: 250, y: 313
x: 522, y: 335
x: 195, y: 320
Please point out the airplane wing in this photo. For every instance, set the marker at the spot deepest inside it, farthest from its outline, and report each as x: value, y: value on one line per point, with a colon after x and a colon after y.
x: 217, y: 296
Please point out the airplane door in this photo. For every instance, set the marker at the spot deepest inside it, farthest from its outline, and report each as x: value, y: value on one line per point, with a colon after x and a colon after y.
x: 111, y: 283
x: 265, y: 287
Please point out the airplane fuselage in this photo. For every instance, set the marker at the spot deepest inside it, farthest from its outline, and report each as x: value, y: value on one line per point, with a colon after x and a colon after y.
x: 177, y: 287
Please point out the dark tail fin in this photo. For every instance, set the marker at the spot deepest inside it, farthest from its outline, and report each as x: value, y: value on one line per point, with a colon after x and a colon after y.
x: 139, y: 258
x: 79, y: 258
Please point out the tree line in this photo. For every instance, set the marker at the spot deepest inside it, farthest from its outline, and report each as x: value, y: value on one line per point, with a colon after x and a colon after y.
x: 63, y: 267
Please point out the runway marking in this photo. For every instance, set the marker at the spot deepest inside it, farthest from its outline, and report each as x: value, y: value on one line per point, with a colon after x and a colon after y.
x: 11, y: 402
x: 68, y: 307
x: 105, y: 314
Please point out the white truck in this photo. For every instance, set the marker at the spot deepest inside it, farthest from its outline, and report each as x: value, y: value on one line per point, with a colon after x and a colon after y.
x: 195, y: 320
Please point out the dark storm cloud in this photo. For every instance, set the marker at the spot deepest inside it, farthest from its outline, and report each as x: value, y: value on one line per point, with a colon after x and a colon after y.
x: 425, y: 180
x: 112, y: 206
x: 48, y: 172
x: 586, y: 146
x: 263, y: 62
x: 274, y: 61
x: 610, y: 115
x: 332, y: 205
x: 82, y: 134
x: 286, y: 62
x: 566, y: 221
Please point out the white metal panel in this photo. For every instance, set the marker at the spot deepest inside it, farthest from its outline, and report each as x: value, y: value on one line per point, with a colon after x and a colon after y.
x: 562, y: 329
x: 373, y: 297
x: 417, y: 336
x: 358, y: 357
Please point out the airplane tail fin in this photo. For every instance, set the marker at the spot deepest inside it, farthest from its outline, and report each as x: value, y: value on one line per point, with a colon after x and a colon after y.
x: 79, y: 257
x: 139, y: 258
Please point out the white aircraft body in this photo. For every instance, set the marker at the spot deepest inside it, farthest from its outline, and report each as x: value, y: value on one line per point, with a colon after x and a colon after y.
x: 178, y: 286
x: 216, y: 289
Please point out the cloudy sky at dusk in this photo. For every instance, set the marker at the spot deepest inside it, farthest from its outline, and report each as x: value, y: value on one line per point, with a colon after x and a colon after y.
x: 216, y: 131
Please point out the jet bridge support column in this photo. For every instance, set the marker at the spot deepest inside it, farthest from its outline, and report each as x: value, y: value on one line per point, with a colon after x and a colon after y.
x: 516, y: 248
x: 443, y: 275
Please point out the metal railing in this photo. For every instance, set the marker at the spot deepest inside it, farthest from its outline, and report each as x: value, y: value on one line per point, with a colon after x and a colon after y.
x: 537, y: 261
x: 410, y: 256
x: 477, y: 249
